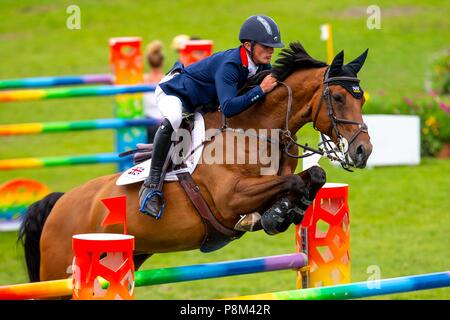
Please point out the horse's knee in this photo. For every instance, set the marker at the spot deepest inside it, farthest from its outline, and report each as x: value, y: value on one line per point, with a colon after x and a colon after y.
x: 296, y: 185
x: 314, y: 178
x: 317, y: 175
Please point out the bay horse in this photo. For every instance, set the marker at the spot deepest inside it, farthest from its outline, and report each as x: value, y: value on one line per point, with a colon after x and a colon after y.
x: 309, y: 91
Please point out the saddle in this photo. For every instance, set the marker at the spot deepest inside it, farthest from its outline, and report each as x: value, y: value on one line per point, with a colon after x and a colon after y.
x: 217, y: 235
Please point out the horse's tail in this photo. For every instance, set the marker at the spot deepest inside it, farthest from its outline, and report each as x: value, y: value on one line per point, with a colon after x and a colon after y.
x: 30, y: 232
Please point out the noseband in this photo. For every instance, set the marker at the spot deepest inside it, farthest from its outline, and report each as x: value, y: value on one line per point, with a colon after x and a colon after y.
x: 336, y: 154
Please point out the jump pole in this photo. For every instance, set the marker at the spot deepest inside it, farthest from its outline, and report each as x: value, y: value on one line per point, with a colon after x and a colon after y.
x: 38, y: 82
x: 27, y: 163
x: 37, y: 290
x: 64, y: 126
x: 220, y: 269
x: 73, y: 92
x: 359, y: 289
x: 55, y: 288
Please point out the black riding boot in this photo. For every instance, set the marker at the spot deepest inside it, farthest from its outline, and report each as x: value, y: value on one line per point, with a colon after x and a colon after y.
x: 151, y: 198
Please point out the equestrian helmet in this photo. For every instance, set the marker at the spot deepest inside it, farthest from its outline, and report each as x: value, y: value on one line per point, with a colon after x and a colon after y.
x: 261, y: 29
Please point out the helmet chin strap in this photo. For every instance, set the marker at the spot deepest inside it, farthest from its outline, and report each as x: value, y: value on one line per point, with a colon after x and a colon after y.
x: 250, y: 52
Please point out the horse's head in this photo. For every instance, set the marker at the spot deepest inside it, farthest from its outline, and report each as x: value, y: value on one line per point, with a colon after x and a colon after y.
x: 338, y: 113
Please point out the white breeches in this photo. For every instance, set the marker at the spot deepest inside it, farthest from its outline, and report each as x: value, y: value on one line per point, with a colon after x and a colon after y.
x: 170, y: 107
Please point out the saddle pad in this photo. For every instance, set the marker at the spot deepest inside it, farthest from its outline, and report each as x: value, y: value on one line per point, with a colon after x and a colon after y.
x: 141, y: 171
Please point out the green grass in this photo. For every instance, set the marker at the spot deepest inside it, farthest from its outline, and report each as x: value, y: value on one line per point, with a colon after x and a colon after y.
x: 399, y: 215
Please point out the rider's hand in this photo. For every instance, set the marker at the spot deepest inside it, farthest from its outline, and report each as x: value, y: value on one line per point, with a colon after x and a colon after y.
x: 268, y: 83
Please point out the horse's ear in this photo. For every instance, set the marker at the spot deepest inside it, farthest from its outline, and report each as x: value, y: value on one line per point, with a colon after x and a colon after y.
x: 357, y: 64
x: 337, y: 63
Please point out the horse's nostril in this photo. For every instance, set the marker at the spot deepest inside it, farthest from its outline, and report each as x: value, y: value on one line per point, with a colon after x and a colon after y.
x: 360, y: 150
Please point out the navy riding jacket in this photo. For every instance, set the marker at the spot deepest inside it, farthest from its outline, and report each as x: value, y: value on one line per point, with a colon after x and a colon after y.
x: 215, y: 78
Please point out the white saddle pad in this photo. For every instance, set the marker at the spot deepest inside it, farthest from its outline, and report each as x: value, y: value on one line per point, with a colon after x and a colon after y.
x: 141, y: 171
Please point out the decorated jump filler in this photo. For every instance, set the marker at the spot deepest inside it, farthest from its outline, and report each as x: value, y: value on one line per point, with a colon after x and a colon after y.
x: 100, y: 257
x: 127, y: 66
x: 324, y: 235
x: 15, y: 196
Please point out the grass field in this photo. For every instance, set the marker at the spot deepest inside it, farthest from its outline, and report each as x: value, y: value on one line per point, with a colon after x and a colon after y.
x: 399, y: 215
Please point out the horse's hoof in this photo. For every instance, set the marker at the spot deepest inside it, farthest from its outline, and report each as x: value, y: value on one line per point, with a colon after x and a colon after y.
x: 249, y: 222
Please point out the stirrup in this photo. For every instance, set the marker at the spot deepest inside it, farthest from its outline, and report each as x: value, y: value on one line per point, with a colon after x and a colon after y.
x: 148, y: 196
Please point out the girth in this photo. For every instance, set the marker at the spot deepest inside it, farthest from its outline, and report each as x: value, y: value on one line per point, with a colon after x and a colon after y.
x: 217, y: 235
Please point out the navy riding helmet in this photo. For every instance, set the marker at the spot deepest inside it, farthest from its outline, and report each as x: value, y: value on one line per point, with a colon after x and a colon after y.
x: 261, y: 29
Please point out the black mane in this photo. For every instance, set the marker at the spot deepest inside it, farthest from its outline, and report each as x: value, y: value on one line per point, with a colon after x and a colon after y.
x: 294, y: 58
x: 291, y: 59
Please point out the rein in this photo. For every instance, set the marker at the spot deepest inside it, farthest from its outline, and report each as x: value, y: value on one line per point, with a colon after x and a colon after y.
x: 326, y: 148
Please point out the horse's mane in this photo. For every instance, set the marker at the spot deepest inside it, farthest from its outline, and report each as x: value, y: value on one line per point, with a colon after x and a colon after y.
x: 291, y: 59
x: 294, y: 58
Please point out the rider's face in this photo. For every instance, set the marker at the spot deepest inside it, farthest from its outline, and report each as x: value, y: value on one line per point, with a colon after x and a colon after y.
x: 261, y: 53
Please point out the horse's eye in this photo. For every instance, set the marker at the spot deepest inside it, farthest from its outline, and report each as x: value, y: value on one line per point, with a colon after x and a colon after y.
x: 338, y: 98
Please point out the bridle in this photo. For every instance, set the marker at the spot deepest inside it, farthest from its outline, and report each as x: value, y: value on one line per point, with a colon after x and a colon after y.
x: 338, y: 153
x: 325, y: 148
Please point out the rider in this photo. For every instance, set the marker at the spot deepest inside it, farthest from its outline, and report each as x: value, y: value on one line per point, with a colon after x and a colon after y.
x: 216, y: 78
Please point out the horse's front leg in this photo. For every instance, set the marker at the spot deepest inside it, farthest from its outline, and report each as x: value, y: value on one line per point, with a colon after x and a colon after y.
x: 289, y: 207
x: 239, y: 195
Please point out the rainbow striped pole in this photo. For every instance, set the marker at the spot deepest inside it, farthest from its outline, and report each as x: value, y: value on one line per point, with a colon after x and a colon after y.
x: 37, y: 290
x: 47, y: 289
x: 56, y: 81
x: 56, y: 93
x: 26, y: 163
x: 220, y: 269
x: 62, y: 126
x: 359, y: 289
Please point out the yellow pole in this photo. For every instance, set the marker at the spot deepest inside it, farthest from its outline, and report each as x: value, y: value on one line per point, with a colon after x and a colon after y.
x: 326, y: 34
x: 36, y: 290
x: 330, y: 49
